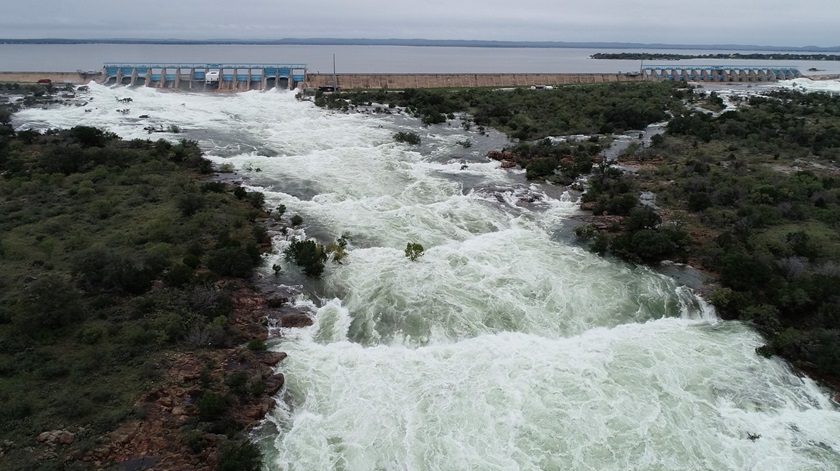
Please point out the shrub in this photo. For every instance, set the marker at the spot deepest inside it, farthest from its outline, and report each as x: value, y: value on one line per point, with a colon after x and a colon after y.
x: 540, y: 168
x: 256, y: 199
x: 257, y: 345
x: 408, y: 137
x: 241, y: 456
x: 230, y: 261
x: 48, y: 303
x: 308, y: 255
x: 296, y: 220
x: 237, y: 382
x: 211, y: 406
x: 179, y: 275
x: 413, y: 251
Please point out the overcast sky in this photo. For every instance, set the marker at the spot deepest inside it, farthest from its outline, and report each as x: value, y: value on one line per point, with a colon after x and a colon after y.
x: 767, y: 22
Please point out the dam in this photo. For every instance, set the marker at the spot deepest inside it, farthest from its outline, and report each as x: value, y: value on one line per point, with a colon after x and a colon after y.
x: 205, y: 76
x: 719, y: 73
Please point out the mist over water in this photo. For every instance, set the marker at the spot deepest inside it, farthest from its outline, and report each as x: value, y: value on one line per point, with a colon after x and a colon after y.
x: 501, y: 348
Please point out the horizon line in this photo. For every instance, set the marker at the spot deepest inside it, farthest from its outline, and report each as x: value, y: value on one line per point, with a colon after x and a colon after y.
x: 418, y: 42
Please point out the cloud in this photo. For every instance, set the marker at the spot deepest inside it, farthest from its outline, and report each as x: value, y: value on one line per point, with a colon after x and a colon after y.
x: 712, y: 21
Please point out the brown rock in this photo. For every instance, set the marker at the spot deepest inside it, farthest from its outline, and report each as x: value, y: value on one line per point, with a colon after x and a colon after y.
x: 508, y: 164
x: 274, y: 384
x: 272, y: 358
x: 295, y: 320
x: 65, y: 437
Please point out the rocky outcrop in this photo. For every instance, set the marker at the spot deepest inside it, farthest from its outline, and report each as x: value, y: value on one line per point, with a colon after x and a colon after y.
x: 157, y: 440
x: 56, y: 437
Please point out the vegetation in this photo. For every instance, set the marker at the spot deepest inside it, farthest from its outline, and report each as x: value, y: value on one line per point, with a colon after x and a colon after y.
x: 533, y: 114
x: 723, y: 55
x: 111, y: 252
x: 408, y: 137
x: 414, y: 251
x: 761, y: 186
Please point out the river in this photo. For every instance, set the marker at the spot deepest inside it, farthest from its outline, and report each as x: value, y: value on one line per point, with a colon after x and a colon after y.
x: 504, y: 346
x: 361, y: 59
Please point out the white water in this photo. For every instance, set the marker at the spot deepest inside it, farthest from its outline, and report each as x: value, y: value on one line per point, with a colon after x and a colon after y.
x: 501, y: 347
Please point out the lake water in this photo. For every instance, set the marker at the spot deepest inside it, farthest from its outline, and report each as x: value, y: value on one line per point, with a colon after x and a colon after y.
x: 352, y: 59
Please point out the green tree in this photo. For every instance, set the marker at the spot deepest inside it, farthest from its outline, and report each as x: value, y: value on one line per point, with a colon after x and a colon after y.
x: 413, y: 251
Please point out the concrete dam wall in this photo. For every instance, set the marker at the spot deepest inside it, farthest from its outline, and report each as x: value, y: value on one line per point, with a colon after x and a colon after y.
x: 401, y: 81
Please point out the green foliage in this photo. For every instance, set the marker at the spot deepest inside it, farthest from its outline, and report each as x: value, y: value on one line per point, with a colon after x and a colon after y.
x: 414, y: 251
x: 211, y: 406
x: 231, y: 261
x: 237, y: 383
x: 534, y: 114
x: 239, y: 456
x: 257, y: 345
x: 296, y: 220
x: 100, y: 242
x: 308, y: 255
x: 408, y: 137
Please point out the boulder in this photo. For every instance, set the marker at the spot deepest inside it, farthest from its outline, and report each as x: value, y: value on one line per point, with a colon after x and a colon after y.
x: 274, y: 383
x: 295, y: 320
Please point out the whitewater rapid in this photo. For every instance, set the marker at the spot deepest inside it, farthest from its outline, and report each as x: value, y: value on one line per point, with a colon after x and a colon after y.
x: 503, y: 347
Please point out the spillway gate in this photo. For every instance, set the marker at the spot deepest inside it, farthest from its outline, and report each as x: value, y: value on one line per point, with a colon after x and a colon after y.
x: 719, y: 73
x: 205, y: 76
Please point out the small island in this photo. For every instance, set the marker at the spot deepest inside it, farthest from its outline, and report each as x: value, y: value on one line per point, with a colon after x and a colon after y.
x: 724, y: 55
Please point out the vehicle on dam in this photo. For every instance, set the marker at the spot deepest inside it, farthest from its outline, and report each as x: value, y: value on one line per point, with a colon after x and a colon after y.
x: 212, y: 76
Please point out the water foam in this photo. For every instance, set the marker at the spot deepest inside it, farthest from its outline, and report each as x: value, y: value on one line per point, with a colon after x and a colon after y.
x: 666, y: 394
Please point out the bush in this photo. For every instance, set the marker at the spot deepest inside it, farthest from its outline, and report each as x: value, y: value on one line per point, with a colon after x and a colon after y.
x: 296, y: 220
x: 413, y: 251
x: 540, y: 168
x: 256, y: 199
x: 257, y: 345
x: 242, y: 456
x: 408, y: 137
x: 231, y: 261
x: 211, y: 406
x: 308, y: 255
x: 48, y: 303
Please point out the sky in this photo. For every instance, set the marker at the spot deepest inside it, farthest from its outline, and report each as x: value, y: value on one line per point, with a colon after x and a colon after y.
x: 765, y: 23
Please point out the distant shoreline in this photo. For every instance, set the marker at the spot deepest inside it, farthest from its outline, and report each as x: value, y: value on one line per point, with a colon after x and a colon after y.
x: 421, y: 43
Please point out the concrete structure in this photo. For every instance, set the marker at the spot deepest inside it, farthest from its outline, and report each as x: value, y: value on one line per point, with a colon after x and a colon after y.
x: 403, y: 81
x: 75, y: 78
x: 720, y: 73
x: 191, y: 76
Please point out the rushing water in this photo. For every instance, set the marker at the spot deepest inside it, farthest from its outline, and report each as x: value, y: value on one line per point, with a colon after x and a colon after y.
x: 502, y: 347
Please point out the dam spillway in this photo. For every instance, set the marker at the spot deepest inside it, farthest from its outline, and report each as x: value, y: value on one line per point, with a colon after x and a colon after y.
x: 719, y: 73
x: 205, y: 76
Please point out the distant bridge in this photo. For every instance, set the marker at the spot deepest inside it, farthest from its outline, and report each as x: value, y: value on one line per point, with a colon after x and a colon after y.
x: 720, y: 73
x: 205, y: 76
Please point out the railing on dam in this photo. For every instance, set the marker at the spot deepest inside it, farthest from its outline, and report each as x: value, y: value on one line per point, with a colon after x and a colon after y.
x: 205, y: 76
x: 720, y: 73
